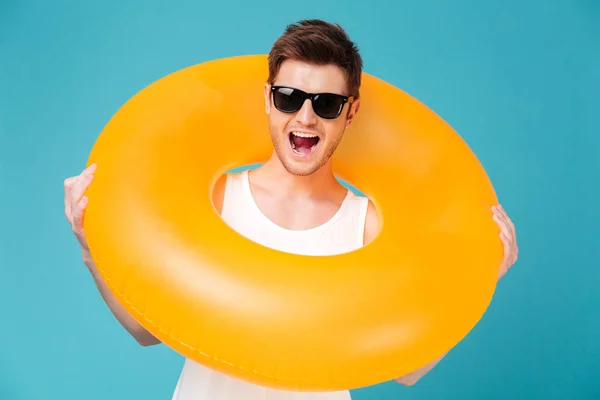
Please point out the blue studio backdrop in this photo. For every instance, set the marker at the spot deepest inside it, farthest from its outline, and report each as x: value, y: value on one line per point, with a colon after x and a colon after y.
x: 518, y: 80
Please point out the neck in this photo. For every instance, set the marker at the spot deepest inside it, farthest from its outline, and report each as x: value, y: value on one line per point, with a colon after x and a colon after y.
x: 320, y: 183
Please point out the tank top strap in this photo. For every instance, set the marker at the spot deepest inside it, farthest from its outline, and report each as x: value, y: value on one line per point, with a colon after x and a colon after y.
x: 355, y: 215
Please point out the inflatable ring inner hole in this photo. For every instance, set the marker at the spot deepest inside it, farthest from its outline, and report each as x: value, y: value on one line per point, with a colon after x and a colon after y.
x: 249, y: 167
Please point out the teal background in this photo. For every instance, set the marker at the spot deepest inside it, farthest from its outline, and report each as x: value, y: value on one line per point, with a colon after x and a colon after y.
x: 518, y: 80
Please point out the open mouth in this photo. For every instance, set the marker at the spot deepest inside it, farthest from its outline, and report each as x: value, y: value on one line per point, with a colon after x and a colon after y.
x: 303, y: 143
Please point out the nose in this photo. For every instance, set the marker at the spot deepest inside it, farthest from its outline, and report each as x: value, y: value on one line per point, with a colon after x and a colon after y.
x: 306, y: 115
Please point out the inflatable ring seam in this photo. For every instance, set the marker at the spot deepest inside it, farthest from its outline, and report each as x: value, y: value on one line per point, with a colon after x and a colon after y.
x: 156, y: 328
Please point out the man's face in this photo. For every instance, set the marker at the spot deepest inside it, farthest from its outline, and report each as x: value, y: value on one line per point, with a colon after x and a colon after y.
x: 303, y: 140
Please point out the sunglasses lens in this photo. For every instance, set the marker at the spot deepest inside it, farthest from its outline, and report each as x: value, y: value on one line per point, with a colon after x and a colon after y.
x: 328, y: 105
x: 288, y: 100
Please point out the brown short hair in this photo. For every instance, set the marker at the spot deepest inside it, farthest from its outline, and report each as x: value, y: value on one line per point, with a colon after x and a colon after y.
x: 319, y: 42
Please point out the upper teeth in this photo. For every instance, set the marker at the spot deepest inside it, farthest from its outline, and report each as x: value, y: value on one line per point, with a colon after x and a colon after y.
x: 302, y: 134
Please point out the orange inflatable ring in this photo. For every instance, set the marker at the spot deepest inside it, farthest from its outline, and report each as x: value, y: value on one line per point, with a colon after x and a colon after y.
x: 276, y: 319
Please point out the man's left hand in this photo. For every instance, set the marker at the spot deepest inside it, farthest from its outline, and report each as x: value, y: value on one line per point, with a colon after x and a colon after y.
x: 508, y: 236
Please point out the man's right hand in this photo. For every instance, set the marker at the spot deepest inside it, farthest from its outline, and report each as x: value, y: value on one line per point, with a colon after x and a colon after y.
x: 75, y: 204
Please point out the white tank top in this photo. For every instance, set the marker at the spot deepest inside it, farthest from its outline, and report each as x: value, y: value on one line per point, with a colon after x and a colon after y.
x: 342, y: 233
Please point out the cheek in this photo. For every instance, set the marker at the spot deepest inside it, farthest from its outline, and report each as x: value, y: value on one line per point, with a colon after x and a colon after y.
x: 335, y: 129
x: 277, y: 123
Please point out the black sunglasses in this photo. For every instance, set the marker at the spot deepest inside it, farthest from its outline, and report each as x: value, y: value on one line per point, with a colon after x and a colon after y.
x: 325, y: 105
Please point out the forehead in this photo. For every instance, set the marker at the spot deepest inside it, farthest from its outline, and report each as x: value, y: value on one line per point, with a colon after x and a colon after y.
x: 312, y: 78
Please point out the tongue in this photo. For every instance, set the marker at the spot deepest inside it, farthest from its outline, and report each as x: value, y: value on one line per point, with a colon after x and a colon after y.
x: 303, y: 143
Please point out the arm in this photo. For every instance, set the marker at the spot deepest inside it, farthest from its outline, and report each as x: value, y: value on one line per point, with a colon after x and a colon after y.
x: 139, y: 333
x: 413, y: 377
x: 508, y: 238
x: 75, y: 204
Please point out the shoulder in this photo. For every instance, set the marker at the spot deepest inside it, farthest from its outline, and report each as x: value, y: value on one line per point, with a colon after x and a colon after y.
x: 371, y: 224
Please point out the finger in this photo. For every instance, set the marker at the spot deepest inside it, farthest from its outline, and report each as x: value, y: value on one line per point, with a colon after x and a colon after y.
x: 91, y: 168
x: 510, y: 252
x: 80, y: 186
x: 68, y: 183
x: 510, y: 223
x: 503, y: 226
x: 506, y: 242
x: 505, y: 248
x: 506, y: 223
x: 73, y: 196
x: 78, y: 213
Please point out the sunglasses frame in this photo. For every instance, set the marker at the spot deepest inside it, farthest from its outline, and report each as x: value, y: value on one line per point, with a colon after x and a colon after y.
x: 312, y: 97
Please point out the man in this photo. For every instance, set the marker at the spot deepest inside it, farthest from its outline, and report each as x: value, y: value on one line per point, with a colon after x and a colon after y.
x: 293, y: 202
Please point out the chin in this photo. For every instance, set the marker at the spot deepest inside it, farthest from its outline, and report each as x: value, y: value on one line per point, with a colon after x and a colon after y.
x: 300, y: 170
x: 300, y: 166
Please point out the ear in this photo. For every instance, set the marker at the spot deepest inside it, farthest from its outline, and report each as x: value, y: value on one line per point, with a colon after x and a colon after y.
x: 267, y: 98
x: 354, y: 107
